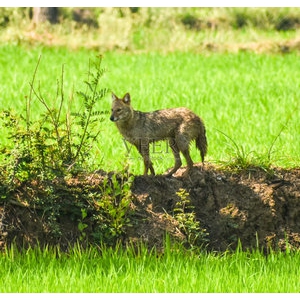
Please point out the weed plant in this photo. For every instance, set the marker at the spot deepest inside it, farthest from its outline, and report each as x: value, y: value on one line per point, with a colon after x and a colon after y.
x: 58, y: 143
x: 186, y: 222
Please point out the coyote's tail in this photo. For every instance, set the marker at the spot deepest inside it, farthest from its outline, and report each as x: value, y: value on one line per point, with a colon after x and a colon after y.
x: 201, y: 142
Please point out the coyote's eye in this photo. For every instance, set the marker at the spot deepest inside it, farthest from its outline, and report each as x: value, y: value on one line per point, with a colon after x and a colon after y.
x: 119, y: 109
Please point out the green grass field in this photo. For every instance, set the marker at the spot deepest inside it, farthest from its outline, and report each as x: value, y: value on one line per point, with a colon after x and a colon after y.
x: 249, y: 102
x: 138, y: 271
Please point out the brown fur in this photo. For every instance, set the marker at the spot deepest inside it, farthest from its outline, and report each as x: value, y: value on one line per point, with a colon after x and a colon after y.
x: 178, y: 125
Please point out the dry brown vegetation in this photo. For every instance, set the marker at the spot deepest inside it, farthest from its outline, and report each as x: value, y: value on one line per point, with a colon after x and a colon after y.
x: 272, y: 30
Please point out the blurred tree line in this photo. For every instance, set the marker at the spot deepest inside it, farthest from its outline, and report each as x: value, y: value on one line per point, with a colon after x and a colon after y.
x: 192, y: 18
x: 53, y: 15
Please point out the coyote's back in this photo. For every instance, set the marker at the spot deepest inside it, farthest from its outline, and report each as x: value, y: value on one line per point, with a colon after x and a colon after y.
x: 177, y: 125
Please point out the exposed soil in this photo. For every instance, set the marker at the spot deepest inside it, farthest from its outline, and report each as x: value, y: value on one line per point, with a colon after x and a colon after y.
x: 256, y: 207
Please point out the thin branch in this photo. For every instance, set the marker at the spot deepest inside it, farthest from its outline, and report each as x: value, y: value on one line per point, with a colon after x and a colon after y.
x: 61, y: 94
x: 29, y: 99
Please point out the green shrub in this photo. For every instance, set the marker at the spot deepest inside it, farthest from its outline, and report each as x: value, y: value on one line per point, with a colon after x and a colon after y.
x: 58, y: 142
x: 54, y: 147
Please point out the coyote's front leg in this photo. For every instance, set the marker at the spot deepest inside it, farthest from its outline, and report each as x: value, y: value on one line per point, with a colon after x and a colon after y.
x: 143, y: 149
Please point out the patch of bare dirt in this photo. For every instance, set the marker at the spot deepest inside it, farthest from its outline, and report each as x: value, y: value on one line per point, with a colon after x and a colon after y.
x: 253, y: 206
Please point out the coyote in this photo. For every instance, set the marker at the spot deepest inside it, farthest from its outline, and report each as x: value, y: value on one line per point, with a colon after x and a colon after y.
x: 177, y: 125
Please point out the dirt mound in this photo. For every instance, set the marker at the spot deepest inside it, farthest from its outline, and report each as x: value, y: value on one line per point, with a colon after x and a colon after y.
x: 255, y: 207
x: 252, y: 206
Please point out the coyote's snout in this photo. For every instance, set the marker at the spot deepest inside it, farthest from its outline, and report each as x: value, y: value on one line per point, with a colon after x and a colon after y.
x: 177, y: 125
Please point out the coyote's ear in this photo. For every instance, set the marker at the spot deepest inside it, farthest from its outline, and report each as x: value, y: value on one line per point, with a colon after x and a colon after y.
x: 114, y: 97
x: 126, y: 98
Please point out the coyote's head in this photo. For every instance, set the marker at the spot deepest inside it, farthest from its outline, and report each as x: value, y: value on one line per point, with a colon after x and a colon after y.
x: 121, y: 109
